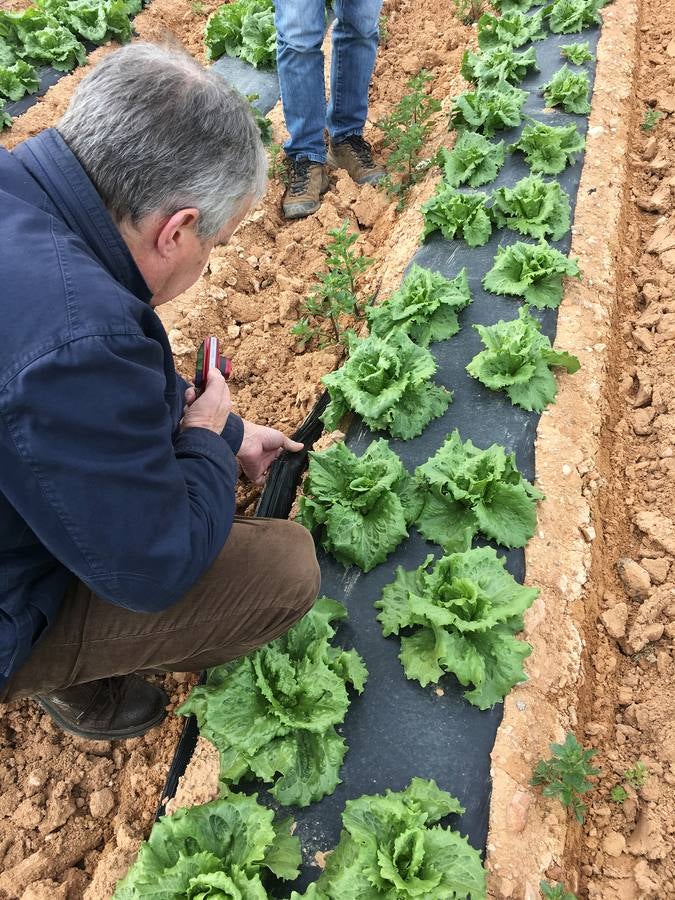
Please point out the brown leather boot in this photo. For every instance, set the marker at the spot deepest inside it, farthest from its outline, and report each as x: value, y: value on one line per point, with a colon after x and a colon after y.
x: 356, y: 156
x: 107, y: 710
x: 307, y: 183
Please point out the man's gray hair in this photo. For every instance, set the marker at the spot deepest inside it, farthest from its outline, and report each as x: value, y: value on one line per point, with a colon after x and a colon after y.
x: 156, y: 132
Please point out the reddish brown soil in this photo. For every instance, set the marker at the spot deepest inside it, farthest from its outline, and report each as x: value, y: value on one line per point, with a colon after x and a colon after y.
x: 629, y: 848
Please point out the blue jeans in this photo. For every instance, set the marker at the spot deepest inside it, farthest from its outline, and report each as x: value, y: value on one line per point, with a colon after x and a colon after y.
x: 300, y: 31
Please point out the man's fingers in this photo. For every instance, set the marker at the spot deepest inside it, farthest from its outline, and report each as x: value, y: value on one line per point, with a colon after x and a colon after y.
x: 190, y: 395
x: 293, y: 446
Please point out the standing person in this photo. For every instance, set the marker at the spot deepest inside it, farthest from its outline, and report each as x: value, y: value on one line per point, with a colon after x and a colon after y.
x: 301, y: 28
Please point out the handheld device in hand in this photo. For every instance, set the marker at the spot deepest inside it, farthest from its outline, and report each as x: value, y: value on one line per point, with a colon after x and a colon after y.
x: 209, y: 358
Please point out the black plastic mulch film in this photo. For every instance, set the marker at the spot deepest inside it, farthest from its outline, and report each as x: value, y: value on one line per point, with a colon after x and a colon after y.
x: 397, y: 729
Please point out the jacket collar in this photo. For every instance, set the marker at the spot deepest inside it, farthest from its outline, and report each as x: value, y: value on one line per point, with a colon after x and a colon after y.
x: 58, y: 172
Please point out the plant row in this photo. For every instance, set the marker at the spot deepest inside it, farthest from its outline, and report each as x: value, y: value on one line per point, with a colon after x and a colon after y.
x: 51, y: 33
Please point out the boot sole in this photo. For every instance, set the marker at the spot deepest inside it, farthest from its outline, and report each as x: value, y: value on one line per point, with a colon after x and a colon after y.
x: 119, y: 735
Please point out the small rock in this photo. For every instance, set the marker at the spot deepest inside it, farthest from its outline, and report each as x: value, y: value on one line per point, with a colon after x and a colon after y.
x: 516, y: 814
x: 635, y: 579
x: 657, y: 527
x: 615, y: 620
x: 614, y: 843
x: 642, y: 420
x: 650, y: 148
x: 233, y: 331
x: 657, y: 568
x: 588, y: 533
x: 643, y: 339
x: 101, y: 803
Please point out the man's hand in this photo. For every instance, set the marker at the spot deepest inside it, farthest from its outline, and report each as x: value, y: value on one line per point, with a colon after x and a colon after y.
x: 211, y: 409
x: 260, y: 447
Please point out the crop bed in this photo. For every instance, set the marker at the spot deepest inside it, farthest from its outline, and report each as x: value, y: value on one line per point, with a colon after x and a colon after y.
x: 73, y: 814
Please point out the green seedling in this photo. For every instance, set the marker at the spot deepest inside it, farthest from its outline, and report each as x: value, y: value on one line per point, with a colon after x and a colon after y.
x: 337, y: 293
x: 619, y: 793
x: 637, y: 776
x: 264, y: 124
x: 565, y: 775
x: 405, y: 133
x: 383, y: 26
x: 468, y: 11
x: 651, y: 117
x: 555, y: 891
x: 276, y: 170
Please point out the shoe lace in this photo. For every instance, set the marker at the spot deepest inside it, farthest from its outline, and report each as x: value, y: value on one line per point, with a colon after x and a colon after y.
x: 362, y: 149
x: 299, y: 175
x: 107, y: 697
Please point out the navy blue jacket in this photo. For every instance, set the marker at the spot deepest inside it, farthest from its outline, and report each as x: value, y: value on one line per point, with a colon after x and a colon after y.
x: 96, y: 480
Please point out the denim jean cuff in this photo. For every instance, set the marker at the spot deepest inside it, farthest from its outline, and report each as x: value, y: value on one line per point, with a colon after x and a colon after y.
x: 342, y: 136
x: 312, y: 157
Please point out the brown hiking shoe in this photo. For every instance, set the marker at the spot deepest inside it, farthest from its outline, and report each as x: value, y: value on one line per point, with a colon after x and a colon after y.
x: 307, y: 182
x: 111, y: 709
x: 356, y: 156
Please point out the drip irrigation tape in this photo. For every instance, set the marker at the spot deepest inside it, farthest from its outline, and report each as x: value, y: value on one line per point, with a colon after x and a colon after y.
x: 397, y: 729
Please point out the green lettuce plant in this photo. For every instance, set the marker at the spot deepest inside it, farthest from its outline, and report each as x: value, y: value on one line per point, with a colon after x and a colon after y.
x: 511, y: 29
x: 570, y: 90
x: 577, y: 54
x: 391, y: 848
x: 425, y: 307
x: 549, y: 149
x: 555, y: 891
x: 474, y: 160
x: 37, y: 37
x: 533, y: 207
x: 488, y: 110
x: 464, y: 611
x: 463, y: 490
x: 508, y: 6
x: 457, y: 215
x: 17, y: 80
x: 518, y: 360
x: 388, y: 383
x: 357, y: 507
x: 243, y: 28
x: 497, y: 66
x: 97, y: 21
x: 531, y: 271
x: 5, y: 118
x: 272, y: 714
x: 568, y: 16
x: 222, y: 850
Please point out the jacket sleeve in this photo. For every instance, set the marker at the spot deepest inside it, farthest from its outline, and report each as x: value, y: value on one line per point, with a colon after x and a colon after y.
x: 233, y: 432
x: 87, y: 459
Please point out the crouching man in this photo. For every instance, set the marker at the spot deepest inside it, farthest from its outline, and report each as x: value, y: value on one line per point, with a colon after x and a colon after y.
x: 119, y: 547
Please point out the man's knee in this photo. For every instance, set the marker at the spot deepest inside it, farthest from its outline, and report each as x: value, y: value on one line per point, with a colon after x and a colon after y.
x: 299, y: 568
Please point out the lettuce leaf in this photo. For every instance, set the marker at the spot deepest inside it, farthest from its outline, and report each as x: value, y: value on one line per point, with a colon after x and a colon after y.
x: 512, y: 29
x: 498, y: 65
x: 358, y: 506
x: 388, y: 383
x: 465, y: 610
x: 507, y: 6
x: 17, y: 80
x: 272, y: 714
x: 533, y: 207
x: 425, y: 307
x: 38, y: 37
x: 457, y: 215
x: 391, y: 848
x: 518, y: 359
x: 463, y: 490
x: 577, y: 54
x: 473, y: 160
x: 97, y: 21
x: 568, y: 16
x: 549, y: 149
x: 243, y: 28
x: 531, y: 271
x: 221, y: 849
x: 5, y: 118
x: 488, y: 110
x: 570, y: 90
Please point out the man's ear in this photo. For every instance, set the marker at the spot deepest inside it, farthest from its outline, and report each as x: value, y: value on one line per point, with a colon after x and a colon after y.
x: 174, y: 232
